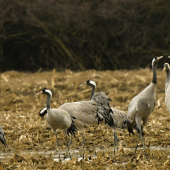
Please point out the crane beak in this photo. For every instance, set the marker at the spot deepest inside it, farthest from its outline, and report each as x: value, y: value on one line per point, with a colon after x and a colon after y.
x: 82, y: 84
x: 160, y: 57
x: 38, y: 93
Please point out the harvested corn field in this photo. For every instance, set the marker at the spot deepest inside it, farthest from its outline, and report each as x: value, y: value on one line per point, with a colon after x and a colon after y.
x: 31, y: 143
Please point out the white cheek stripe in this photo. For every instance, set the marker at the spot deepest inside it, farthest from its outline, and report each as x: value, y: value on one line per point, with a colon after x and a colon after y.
x: 49, y: 91
x: 43, y: 110
x: 93, y: 83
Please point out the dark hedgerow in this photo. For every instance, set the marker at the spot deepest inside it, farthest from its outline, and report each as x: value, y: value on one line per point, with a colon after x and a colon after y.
x: 106, y: 34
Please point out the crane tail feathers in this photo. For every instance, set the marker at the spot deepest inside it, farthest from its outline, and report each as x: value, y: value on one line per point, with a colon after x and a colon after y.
x: 106, y: 115
x: 72, y: 130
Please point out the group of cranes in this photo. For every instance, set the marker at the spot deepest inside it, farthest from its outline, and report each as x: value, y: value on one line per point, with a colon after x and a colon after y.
x: 87, y: 113
x: 77, y: 115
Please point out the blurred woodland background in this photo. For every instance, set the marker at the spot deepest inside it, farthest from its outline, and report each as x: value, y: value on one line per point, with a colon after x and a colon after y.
x: 82, y: 34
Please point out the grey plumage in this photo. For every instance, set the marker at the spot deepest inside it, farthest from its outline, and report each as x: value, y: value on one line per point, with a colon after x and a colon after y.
x: 120, y: 122
x: 119, y: 117
x: 57, y: 118
x: 85, y: 114
x: 142, y: 105
x: 71, y: 130
x: 103, y: 99
x: 88, y: 113
x: 2, y: 137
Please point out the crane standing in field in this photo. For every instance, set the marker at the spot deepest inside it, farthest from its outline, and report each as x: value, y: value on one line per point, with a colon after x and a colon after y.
x: 119, y: 117
x: 88, y: 113
x: 57, y: 118
x: 167, y: 85
x: 142, y: 105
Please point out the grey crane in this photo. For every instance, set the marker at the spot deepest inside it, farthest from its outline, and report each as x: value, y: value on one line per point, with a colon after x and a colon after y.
x: 87, y: 113
x: 119, y: 117
x: 142, y: 105
x: 2, y: 137
x: 57, y: 118
x: 167, y: 85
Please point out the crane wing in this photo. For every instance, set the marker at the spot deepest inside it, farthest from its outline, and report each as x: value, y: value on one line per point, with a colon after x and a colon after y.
x: 87, y: 112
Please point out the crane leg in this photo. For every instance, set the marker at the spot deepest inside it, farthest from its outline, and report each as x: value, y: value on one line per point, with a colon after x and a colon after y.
x: 83, y: 142
x: 70, y: 142
x: 142, y: 140
x: 117, y: 139
x: 115, y: 142
x: 137, y: 144
x: 57, y: 142
x: 68, y: 146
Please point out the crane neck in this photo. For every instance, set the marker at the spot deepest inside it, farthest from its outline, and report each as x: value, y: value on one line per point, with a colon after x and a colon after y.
x: 167, y: 79
x: 92, y: 92
x: 154, y: 68
x: 48, y: 101
x: 168, y: 75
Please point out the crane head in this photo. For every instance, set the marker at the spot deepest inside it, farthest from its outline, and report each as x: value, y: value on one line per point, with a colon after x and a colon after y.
x: 166, y: 67
x: 89, y: 82
x: 45, y: 91
x: 156, y: 59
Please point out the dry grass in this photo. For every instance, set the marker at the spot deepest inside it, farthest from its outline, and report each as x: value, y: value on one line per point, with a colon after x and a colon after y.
x: 25, y: 131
